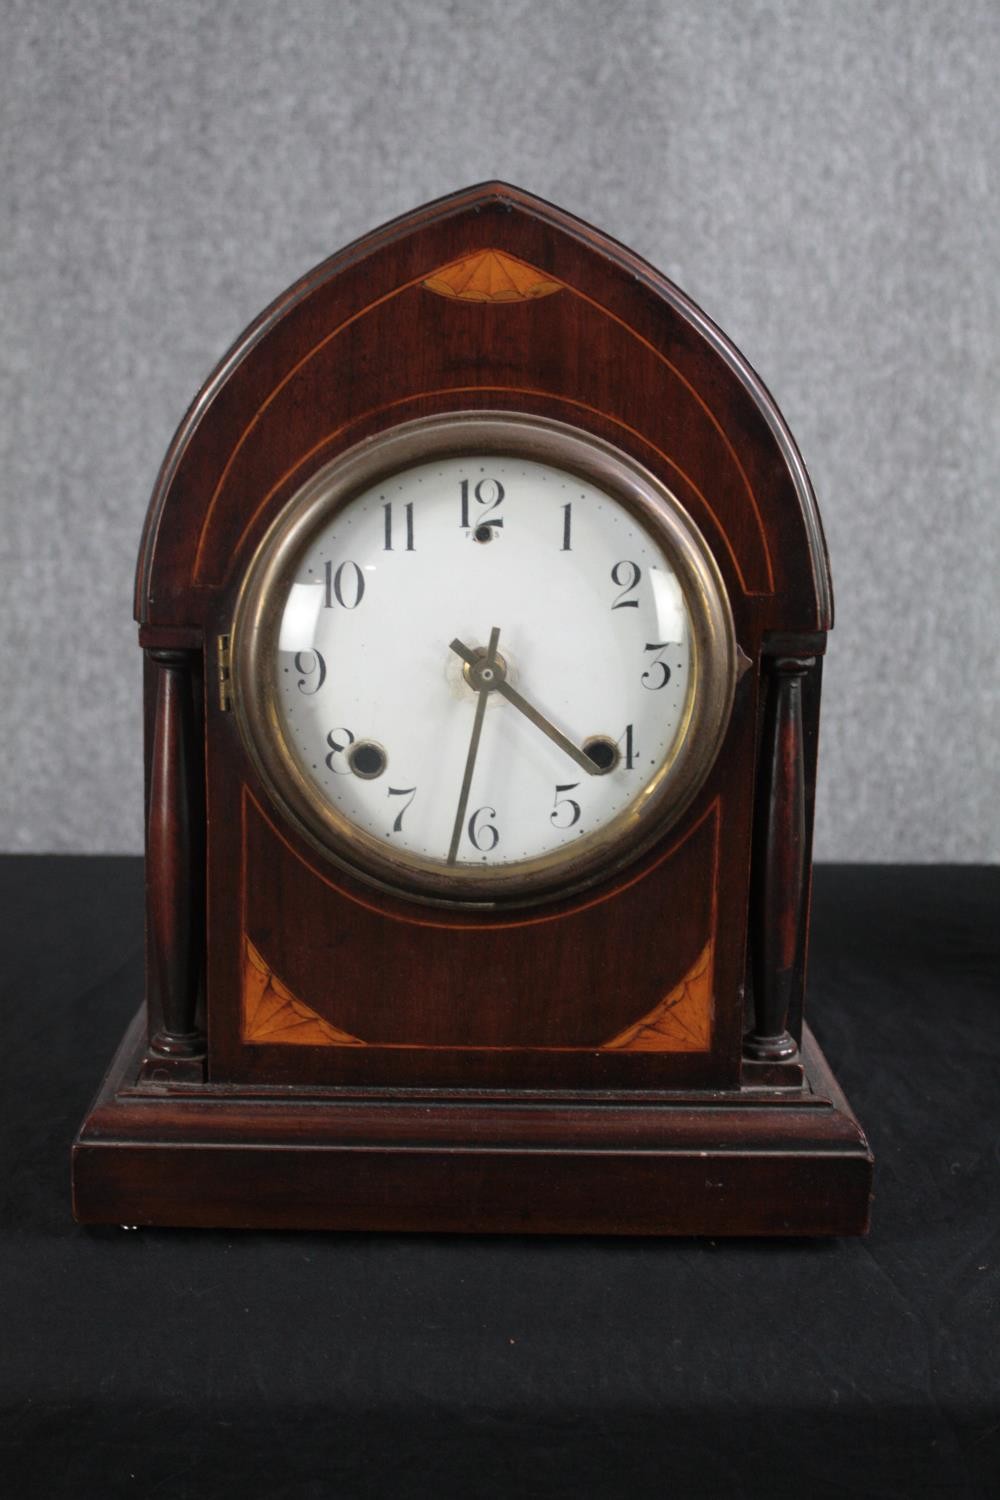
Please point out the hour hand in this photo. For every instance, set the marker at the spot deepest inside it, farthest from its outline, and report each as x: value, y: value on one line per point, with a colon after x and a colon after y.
x: 498, y: 683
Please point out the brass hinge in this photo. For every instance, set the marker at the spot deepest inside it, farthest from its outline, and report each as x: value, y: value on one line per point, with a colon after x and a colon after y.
x: 225, y: 680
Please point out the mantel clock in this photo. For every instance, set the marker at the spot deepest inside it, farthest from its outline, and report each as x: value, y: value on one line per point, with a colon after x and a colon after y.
x: 483, y: 598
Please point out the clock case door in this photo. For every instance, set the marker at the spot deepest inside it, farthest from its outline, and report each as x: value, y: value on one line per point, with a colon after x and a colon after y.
x: 283, y: 970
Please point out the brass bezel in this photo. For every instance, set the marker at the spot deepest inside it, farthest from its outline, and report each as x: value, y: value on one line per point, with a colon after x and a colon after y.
x: 558, y: 873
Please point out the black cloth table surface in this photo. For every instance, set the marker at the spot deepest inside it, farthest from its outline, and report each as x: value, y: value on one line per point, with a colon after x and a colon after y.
x: 187, y: 1364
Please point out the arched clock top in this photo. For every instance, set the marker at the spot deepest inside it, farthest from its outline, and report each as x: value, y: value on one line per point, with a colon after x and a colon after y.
x: 487, y: 299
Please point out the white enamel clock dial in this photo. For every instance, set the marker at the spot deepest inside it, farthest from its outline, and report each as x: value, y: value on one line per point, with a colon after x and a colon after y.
x: 481, y: 665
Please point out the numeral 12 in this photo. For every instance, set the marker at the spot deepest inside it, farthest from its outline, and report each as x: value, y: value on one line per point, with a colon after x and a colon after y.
x: 482, y: 497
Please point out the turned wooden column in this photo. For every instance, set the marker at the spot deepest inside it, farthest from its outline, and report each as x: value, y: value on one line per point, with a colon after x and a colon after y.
x: 174, y: 866
x: 779, y: 883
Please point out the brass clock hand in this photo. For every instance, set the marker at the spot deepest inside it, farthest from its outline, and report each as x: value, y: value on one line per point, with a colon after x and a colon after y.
x: 502, y: 686
x: 487, y: 680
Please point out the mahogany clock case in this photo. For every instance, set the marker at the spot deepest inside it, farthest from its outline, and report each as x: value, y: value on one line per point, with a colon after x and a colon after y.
x: 318, y: 1051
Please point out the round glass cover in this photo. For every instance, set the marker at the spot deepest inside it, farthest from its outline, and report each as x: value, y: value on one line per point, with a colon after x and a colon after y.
x: 483, y: 658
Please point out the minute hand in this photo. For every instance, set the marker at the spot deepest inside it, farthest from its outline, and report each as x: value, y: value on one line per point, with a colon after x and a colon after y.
x: 547, y: 727
x: 513, y: 697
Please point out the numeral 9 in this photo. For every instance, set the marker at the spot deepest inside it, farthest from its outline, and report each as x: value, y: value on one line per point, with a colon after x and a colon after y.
x: 313, y: 669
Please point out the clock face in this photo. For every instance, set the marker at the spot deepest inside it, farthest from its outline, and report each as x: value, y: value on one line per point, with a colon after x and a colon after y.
x: 480, y: 665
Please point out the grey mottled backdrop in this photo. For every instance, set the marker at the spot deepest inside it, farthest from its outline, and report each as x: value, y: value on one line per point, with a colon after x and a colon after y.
x: 820, y: 175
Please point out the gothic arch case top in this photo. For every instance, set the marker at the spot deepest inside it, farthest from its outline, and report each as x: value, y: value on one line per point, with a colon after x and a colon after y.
x: 499, y: 300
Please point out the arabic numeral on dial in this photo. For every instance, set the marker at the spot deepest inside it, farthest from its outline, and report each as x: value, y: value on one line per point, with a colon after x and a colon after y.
x: 313, y: 670
x: 484, y: 835
x: 488, y: 494
x: 406, y: 791
x: 345, y: 585
x: 566, y: 811
x: 338, y: 740
x: 657, y: 674
x: 567, y: 511
x: 408, y: 514
x: 626, y: 575
x: 630, y: 750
